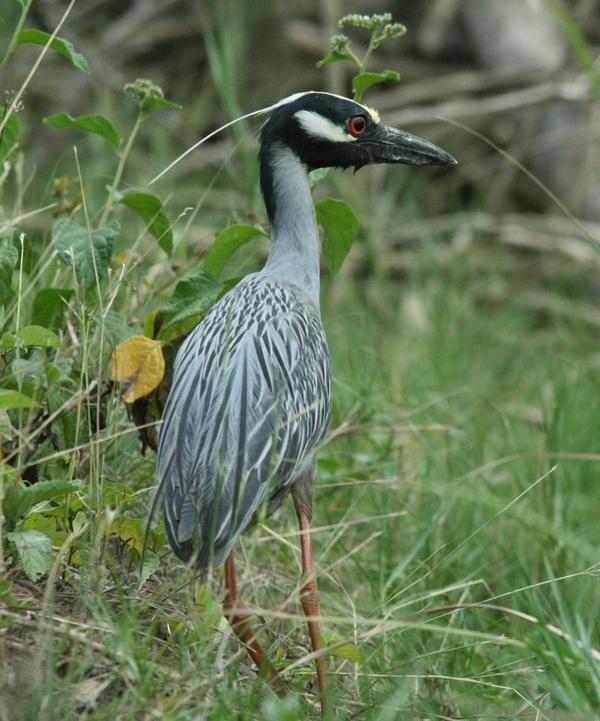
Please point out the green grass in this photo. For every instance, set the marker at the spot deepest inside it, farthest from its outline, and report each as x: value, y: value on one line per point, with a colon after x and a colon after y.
x: 456, y: 541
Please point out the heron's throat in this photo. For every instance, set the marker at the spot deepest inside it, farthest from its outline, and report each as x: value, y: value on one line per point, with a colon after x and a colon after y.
x: 294, y: 254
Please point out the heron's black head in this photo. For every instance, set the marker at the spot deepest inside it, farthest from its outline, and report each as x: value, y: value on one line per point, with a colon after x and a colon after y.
x: 326, y: 130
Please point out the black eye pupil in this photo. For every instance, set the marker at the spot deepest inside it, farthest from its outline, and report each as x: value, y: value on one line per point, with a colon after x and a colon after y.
x: 357, y: 124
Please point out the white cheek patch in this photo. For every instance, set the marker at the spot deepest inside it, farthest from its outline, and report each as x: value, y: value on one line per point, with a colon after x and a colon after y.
x: 321, y: 127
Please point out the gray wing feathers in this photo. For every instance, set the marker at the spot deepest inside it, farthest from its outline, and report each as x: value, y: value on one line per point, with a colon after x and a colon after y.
x: 250, y: 402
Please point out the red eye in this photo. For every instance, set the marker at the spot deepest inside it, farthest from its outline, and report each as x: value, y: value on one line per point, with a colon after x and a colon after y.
x: 357, y: 125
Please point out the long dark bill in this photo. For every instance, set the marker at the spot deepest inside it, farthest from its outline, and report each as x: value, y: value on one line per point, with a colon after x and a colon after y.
x: 389, y: 145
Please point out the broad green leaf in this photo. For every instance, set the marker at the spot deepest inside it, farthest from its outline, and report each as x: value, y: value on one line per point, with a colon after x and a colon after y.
x: 226, y: 244
x: 8, y: 473
x: 157, y: 536
x: 115, y: 493
x: 348, y: 651
x: 81, y: 249
x: 334, y: 57
x: 34, y: 550
x: 30, y: 373
x: 37, y: 335
x: 151, y: 211
x: 53, y: 373
x: 9, y: 257
x: 149, y: 324
x: 116, y: 327
x: 9, y: 601
x: 362, y: 81
x: 153, y: 105
x: 150, y: 565
x: 96, y: 124
x: 192, y: 298
x: 138, y: 363
x: 10, y: 134
x: 46, y: 524
x: 6, y: 427
x: 8, y: 341
x: 49, y: 307
x: 14, y: 399
x: 59, y: 45
x: 19, y: 503
x: 184, y: 323
x: 340, y: 226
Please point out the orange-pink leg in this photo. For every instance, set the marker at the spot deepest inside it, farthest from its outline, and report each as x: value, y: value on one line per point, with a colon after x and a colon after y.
x: 240, y: 623
x: 310, y: 603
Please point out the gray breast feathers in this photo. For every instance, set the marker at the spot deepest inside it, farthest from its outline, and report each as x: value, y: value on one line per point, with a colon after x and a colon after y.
x: 249, y: 404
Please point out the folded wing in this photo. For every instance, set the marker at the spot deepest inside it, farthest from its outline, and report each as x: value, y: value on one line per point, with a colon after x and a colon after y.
x: 249, y: 404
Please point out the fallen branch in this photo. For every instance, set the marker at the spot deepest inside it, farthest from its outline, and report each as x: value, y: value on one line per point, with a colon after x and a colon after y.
x: 501, y: 103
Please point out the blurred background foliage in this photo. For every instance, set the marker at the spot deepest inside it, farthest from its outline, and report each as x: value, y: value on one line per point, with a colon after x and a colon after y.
x: 516, y: 72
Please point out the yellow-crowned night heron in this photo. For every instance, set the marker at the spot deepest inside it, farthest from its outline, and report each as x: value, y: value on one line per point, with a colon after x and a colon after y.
x: 251, y: 394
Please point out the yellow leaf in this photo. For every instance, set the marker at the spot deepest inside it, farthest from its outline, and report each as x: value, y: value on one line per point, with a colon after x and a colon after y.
x: 139, y: 364
x: 125, y: 257
x: 349, y: 651
x: 130, y: 531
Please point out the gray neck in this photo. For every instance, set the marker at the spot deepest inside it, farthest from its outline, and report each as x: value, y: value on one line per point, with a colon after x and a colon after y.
x: 294, y: 254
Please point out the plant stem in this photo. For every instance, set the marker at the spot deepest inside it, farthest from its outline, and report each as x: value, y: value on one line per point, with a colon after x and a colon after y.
x: 19, y: 375
x: 15, y: 101
x: 13, y: 41
x: 367, y: 55
x: 120, y: 167
x: 362, y: 64
x: 2, y: 569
